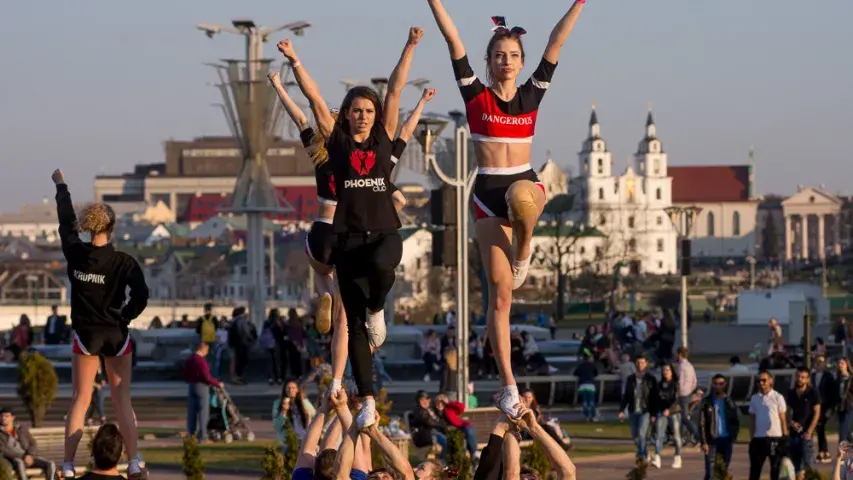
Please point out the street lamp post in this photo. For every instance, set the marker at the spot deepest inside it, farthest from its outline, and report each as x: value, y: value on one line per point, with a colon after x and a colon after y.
x: 253, y: 116
x: 463, y: 181
x: 682, y: 219
x: 751, y: 261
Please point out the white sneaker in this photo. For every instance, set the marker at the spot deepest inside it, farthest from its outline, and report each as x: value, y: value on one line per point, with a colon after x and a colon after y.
x: 366, y: 416
x: 656, y: 461
x: 507, y: 402
x: 68, y: 470
x: 676, y: 462
x: 519, y: 272
x: 376, y: 328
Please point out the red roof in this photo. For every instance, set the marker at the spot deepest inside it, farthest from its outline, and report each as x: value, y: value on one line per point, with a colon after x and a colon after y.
x: 709, y: 184
x: 303, y: 200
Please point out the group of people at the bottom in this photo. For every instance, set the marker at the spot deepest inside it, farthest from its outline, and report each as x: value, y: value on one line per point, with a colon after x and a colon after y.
x: 20, y: 452
x: 785, y: 431
x: 343, y: 451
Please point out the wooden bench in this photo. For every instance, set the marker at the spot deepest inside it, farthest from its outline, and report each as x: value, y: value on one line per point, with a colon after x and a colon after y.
x: 50, y: 444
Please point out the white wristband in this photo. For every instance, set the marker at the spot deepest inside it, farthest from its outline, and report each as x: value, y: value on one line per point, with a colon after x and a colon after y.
x: 296, y: 64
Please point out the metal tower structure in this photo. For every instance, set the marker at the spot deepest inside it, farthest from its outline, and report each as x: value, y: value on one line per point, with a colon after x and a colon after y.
x: 253, y: 114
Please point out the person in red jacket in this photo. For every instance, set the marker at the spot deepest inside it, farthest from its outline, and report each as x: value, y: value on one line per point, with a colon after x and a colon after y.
x: 452, y: 414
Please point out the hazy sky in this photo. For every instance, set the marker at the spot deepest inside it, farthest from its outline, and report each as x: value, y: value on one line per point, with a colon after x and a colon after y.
x: 97, y: 85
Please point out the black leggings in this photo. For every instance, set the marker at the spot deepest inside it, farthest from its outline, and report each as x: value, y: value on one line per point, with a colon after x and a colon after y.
x: 365, y: 266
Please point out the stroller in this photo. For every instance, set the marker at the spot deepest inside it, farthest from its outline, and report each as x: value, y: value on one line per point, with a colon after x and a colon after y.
x: 225, y: 423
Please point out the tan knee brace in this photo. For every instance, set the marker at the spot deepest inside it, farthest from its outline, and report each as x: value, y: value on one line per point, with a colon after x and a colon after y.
x: 521, y: 200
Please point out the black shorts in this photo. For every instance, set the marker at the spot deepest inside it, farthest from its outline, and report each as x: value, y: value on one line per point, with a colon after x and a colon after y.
x: 105, y: 341
x: 320, y: 242
x: 491, y: 186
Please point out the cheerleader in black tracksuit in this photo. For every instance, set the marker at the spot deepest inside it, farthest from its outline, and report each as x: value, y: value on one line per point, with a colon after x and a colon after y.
x: 361, y: 156
x: 100, y: 315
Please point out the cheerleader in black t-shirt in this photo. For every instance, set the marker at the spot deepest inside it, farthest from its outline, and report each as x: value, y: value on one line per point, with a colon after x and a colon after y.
x: 361, y: 157
x: 321, y: 239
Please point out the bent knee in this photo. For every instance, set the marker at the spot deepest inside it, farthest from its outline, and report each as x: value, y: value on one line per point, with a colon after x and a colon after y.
x: 502, y: 296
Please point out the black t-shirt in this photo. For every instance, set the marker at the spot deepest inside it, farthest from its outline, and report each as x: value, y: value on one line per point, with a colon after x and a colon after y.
x: 802, y: 405
x: 362, y: 172
x: 99, y: 476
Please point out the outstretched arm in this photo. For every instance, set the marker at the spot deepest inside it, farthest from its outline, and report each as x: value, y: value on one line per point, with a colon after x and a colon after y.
x: 398, y: 461
x: 562, y: 31
x: 308, y: 451
x: 397, y: 82
x: 556, y: 454
x: 411, y: 123
x: 343, y: 461
x: 325, y: 122
x: 68, y: 234
x: 512, y: 457
x: 293, y: 111
x: 448, y: 29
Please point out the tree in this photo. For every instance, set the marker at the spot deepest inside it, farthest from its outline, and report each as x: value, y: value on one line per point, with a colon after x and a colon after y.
x: 273, y: 464
x: 457, y: 456
x: 192, y: 463
x: 535, y: 458
x: 383, y: 407
x: 37, y: 385
x: 291, y: 450
x: 769, y: 238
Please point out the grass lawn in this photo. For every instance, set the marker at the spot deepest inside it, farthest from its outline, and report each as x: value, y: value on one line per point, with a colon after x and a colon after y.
x: 249, y: 456
x: 159, y: 432
x: 613, y: 430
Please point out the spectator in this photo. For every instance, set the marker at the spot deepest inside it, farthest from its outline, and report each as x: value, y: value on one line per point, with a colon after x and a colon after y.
x: 718, y: 425
x: 431, y: 349
x: 767, y: 428
x: 667, y: 412
x: 552, y: 326
x: 451, y: 413
x: 804, y: 405
x: 776, y: 342
x: 737, y: 367
x: 687, y: 384
x: 626, y: 369
x: 586, y: 373
x: 221, y: 350
x: 826, y: 387
x: 198, y: 377
x: 98, y: 395
x: 427, y: 427
x: 844, y: 401
x: 269, y: 344
x: 843, y: 469
x: 294, y: 344
x: 19, y: 448
x: 106, y: 453
x: 534, y: 360
x: 55, y: 328
x: 22, y: 337
x: 242, y: 337
x: 473, y: 402
x: 640, y: 393
x: 550, y: 425
x: 206, y: 325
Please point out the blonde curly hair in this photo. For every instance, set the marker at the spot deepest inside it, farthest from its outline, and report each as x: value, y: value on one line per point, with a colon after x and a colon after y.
x: 97, y: 218
x: 317, y: 149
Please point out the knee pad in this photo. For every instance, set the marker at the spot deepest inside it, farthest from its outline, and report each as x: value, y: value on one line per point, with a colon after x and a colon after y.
x: 521, y: 201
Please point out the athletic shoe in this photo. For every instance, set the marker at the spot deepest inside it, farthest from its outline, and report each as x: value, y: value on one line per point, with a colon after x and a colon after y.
x: 366, y: 416
x: 376, y: 328
x: 506, y: 402
x: 136, y: 469
x: 676, y: 462
x: 68, y: 470
x: 656, y: 461
x: 519, y: 272
x: 324, y: 314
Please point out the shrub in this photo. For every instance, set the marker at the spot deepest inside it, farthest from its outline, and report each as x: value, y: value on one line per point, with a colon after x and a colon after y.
x: 720, y: 471
x: 6, y: 472
x: 535, y: 457
x: 89, y: 443
x: 457, y: 455
x: 291, y: 450
x: 812, y: 474
x: 193, y: 465
x: 273, y: 464
x: 383, y: 407
x: 638, y: 472
x: 37, y: 385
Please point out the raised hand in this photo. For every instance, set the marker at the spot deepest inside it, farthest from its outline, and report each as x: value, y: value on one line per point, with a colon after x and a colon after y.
x: 58, y: 177
x: 275, y: 78
x: 428, y: 94
x: 286, y: 48
x: 415, y: 35
x: 526, y: 419
x: 339, y: 399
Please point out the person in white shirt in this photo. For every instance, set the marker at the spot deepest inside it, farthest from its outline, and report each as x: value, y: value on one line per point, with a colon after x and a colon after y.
x: 687, y: 383
x: 768, y: 428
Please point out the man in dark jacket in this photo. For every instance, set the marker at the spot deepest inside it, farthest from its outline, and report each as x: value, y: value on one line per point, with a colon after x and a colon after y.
x: 824, y: 383
x: 427, y: 425
x: 718, y: 425
x: 19, y: 448
x: 640, y: 394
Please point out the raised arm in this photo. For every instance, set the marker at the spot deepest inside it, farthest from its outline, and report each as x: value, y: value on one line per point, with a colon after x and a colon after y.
x: 308, y: 450
x: 293, y: 111
x: 68, y: 234
x: 512, y: 457
x: 398, y: 461
x: 561, y: 32
x: 343, y: 461
x: 448, y: 29
x: 397, y: 82
x: 411, y: 122
x: 333, y: 436
x: 325, y: 122
x: 556, y: 454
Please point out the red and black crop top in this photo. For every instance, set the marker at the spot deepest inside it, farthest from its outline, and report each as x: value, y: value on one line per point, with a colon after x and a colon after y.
x: 494, y: 120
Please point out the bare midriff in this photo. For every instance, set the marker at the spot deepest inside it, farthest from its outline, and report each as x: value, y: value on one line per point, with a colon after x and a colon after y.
x: 502, y: 155
x: 326, y: 211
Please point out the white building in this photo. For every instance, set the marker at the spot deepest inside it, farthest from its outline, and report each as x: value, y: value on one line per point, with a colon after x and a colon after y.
x: 553, y: 178
x: 629, y: 207
x: 33, y: 222
x: 411, y: 289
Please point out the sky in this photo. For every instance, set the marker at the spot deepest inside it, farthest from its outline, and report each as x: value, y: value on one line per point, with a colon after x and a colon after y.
x: 97, y: 86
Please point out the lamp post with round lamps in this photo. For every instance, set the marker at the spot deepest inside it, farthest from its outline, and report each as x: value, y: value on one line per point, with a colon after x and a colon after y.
x: 683, y: 219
